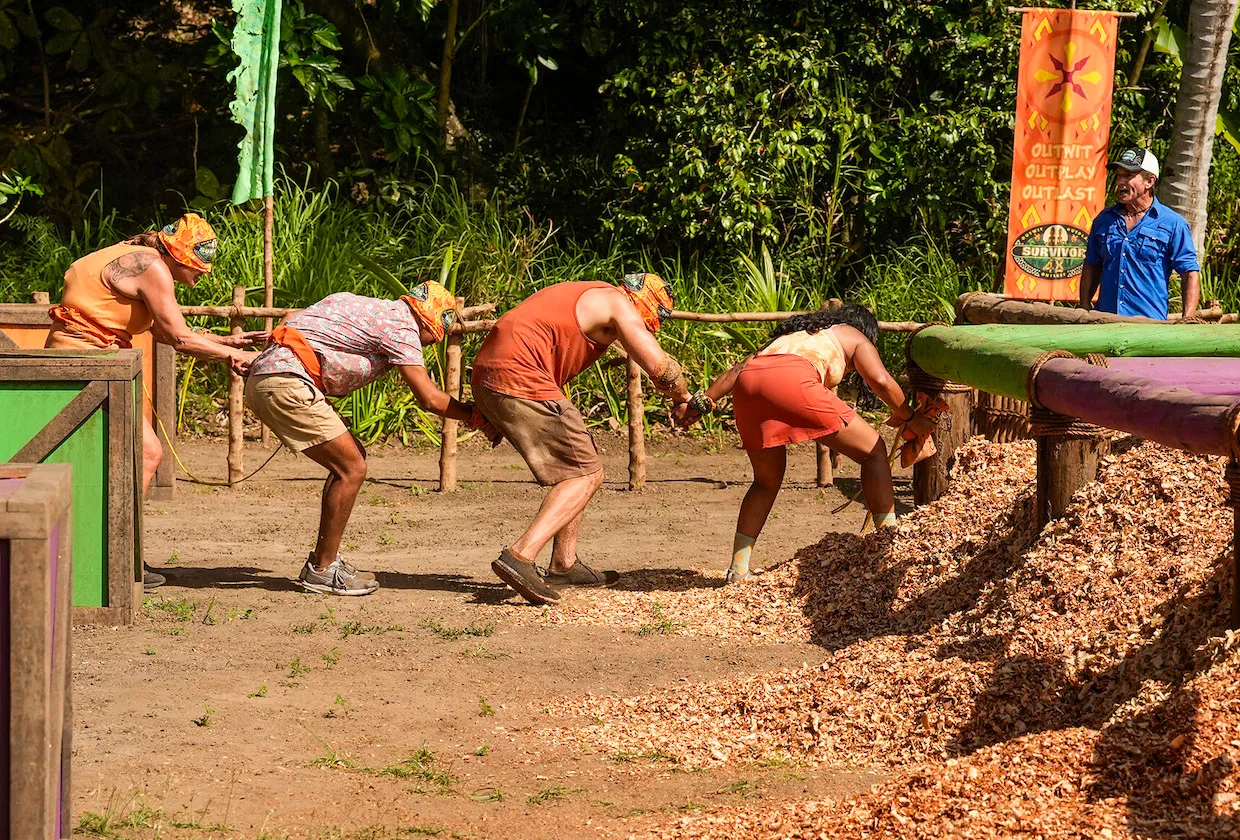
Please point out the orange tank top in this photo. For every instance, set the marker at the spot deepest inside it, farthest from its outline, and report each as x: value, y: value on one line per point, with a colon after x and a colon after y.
x: 91, y: 313
x: 536, y: 347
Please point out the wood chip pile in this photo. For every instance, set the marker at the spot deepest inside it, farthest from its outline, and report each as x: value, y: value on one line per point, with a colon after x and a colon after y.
x: 1069, y: 683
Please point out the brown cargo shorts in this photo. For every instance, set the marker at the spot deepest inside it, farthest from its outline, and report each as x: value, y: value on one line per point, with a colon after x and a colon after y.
x: 551, y: 435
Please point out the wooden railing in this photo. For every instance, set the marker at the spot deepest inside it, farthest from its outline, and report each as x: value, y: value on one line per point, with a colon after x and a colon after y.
x: 475, y: 320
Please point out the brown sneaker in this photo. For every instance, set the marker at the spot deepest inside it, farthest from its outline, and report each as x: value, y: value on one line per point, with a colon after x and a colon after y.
x: 524, y: 578
x: 579, y: 574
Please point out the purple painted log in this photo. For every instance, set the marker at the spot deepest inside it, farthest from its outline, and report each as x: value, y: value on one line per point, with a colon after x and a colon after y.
x: 1203, y: 375
x: 1172, y: 416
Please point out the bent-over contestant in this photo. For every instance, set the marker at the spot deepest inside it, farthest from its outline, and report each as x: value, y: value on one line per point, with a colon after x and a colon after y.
x: 340, y: 344
x: 518, y: 380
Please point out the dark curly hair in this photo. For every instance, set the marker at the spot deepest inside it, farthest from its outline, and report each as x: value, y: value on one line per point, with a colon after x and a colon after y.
x: 851, y: 314
x: 854, y: 315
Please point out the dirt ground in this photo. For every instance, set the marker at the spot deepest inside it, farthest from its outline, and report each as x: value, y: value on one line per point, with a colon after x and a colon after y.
x: 240, y: 706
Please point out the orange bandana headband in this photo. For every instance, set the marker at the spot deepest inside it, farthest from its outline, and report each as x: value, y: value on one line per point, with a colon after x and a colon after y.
x: 434, y: 308
x: 652, y: 297
x: 190, y: 241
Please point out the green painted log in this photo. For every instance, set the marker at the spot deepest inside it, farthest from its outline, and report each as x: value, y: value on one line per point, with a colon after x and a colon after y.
x: 1117, y: 339
x: 955, y: 354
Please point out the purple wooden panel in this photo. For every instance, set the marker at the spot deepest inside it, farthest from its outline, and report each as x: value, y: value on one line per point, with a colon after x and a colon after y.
x: 53, y: 558
x: 1205, y: 376
x: 1170, y: 415
x: 5, y: 668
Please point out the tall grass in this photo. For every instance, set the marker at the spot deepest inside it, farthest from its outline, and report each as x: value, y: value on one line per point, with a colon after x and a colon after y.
x: 326, y: 243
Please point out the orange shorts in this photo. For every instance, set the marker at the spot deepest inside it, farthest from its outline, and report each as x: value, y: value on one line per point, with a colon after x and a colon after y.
x: 779, y: 399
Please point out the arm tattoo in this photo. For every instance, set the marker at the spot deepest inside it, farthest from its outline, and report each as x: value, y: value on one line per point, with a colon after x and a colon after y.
x: 667, y: 375
x: 130, y: 265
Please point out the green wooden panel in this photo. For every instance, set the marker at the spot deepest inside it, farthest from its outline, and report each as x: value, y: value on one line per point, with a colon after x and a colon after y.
x: 997, y: 367
x: 26, y: 408
x: 1178, y: 340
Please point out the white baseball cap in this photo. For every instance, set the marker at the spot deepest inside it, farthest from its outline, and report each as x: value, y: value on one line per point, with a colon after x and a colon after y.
x: 1136, y: 159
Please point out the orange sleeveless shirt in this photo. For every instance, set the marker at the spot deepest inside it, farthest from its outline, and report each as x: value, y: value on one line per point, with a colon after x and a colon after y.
x: 538, y: 346
x: 91, y: 313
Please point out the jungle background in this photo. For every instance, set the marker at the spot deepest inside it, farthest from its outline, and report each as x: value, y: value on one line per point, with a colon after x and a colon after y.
x: 760, y: 155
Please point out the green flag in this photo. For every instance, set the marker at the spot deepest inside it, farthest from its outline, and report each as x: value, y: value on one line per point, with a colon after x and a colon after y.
x: 256, y: 41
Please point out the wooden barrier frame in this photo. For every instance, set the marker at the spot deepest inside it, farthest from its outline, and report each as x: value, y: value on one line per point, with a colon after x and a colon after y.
x: 36, y: 565
x: 110, y: 378
x: 30, y: 323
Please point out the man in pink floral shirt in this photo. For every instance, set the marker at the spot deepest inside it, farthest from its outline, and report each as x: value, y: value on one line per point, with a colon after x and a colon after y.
x: 340, y: 344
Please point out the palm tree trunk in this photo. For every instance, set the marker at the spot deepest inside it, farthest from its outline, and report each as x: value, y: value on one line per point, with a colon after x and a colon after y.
x: 1186, y: 178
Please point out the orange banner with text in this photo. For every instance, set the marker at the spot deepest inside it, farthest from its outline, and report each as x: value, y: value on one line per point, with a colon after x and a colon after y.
x: 1063, y: 124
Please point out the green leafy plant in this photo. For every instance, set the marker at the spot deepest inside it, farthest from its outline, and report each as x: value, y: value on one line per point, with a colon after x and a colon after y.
x: 404, y: 106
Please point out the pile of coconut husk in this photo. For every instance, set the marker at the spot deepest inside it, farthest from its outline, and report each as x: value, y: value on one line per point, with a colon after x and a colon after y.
x: 1067, y: 681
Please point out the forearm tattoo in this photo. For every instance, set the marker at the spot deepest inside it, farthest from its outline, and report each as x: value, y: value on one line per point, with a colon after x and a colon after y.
x: 130, y: 265
x: 666, y: 379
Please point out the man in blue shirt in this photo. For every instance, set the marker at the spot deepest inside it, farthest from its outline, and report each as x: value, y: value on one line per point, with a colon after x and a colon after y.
x: 1135, y: 245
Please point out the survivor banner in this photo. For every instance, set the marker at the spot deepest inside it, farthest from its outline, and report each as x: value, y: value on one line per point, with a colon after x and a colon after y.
x: 1063, y: 123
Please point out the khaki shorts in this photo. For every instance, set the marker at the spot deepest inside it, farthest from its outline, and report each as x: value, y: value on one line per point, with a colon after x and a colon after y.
x: 294, y: 409
x: 550, y: 434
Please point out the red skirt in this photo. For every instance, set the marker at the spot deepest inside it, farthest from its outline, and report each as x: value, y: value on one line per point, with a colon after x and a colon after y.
x: 779, y: 399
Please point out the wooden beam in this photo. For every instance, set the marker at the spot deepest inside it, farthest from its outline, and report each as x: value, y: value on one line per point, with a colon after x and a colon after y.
x: 165, y: 405
x: 452, y: 385
x: 637, y: 427
x: 63, y: 424
x: 236, y: 402
x: 69, y: 365
x: 124, y: 501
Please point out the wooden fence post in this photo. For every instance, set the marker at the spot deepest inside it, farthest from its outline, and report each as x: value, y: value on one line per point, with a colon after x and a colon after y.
x: 637, y: 428
x: 931, y: 476
x: 452, y: 385
x: 236, y: 403
x: 1066, y: 462
x: 826, y: 477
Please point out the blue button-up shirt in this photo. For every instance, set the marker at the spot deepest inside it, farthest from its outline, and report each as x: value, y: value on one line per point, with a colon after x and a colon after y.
x: 1137, y: 263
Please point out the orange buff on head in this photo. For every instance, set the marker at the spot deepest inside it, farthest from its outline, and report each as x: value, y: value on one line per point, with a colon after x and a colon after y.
x: 190, y: 241
x: 434, y: 308
x: 652, y: 297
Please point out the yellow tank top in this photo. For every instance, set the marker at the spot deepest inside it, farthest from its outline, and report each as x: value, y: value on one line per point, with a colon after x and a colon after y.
x: 91, y: 312
x: 821, y: 349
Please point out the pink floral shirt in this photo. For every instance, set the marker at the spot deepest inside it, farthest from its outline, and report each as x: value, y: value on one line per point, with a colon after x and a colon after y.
x: 357, y: 340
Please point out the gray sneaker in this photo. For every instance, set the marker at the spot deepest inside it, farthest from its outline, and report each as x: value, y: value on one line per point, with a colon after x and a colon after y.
x: 334, y: 580
x: 349, y: 568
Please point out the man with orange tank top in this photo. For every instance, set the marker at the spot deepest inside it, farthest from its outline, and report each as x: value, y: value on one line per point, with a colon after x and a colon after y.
x: 518, y: 384
x: 125, y: 289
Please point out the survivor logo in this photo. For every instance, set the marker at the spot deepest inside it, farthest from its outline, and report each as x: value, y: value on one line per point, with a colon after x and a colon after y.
x: 1050, y: 252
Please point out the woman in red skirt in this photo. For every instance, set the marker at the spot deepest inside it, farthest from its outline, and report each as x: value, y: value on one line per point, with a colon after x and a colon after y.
x: 782, y: 394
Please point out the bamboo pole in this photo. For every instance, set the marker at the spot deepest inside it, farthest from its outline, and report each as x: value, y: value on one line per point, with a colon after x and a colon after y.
x: 236, y: 407
x: 468, y: 314
x: 269, y: 274
x: 452, y: 384
x: 637, y: 428
x: 763, y: 317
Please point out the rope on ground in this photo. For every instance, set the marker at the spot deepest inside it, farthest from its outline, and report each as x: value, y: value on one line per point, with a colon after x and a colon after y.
x: 176, y: 456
